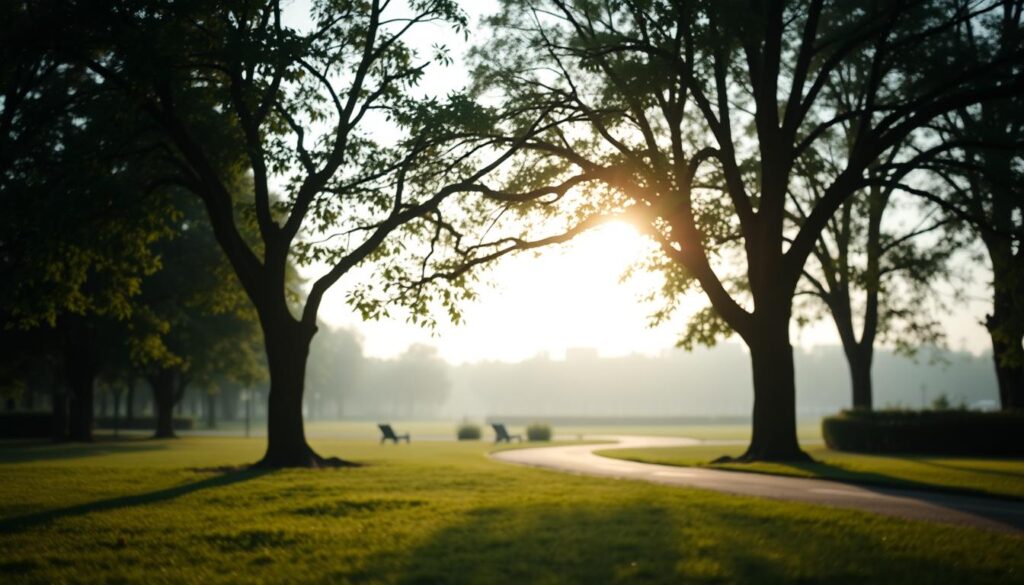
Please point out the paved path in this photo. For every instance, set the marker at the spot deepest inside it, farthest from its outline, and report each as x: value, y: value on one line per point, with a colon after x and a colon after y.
x: 981, y: 512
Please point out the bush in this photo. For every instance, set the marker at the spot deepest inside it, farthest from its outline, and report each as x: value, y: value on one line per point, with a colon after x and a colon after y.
x: 960, y: 432
x: 143, y: 423
x: 538, y: 432
x: 468, y: 432
x: 26, y: 425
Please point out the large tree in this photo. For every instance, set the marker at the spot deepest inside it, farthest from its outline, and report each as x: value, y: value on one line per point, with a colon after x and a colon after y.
x: 696, y: 114
x: 323, y: 112
x: 80, y: 211
x: 984, y: 177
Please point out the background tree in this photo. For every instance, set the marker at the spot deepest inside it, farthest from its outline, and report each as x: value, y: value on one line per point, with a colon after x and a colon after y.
x: 232, y: 86
x: 79, y: 219
x: 983, y: 179
x: 194, y: 324
x: 697, y: 114
x: 335, y: 367
x: 874, y: 270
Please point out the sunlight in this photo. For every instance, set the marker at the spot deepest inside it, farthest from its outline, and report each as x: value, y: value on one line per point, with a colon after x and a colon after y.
x: 564, y: 297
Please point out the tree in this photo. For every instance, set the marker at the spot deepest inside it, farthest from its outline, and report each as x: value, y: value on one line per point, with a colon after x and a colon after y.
x: 984, y: 176
x: 335, y: 365
x: 193, y: 323
x: 233, y: 87
x: 697, y: 114
x: 875, y: 278
x: 81, y: 210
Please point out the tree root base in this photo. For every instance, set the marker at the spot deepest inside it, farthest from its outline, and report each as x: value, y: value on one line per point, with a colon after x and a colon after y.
x: 307, y: 460
x: 786, y: 457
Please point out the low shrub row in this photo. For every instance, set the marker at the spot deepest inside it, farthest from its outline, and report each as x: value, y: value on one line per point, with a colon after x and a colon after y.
x: 468, y: 432
x: 954, y: 432
x: 538, y: 432
x: 534, y: 432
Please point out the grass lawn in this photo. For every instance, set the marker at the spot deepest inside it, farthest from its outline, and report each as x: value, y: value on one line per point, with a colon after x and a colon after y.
x: 139, y: 511
x: 992, y: 476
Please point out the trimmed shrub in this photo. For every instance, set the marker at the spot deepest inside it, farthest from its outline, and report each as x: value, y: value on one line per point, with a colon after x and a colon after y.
x: 538, y: 432
x: 144, y: 423
x: 468, y: 432
x: 26, y: 425
x: 959, y: 432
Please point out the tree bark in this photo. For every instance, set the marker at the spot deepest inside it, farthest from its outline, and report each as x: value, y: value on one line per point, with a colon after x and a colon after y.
x: 163, y: 384
x: 81, y: 405
x: 287, y: 345
x: 774, y: 421
x: 80, y: 372
x: 1006, y: 359
x: 859, y: 360
x: 1006, y: 326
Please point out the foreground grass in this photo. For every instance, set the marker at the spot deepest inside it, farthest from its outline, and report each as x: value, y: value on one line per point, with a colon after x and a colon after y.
x: 141, y: 511
x: 989, y: 476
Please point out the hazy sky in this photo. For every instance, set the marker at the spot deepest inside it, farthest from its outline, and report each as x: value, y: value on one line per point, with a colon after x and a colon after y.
x: 570, y: 296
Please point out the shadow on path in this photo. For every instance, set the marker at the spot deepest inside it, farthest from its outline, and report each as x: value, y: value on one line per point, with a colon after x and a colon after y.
x: 21, y: 523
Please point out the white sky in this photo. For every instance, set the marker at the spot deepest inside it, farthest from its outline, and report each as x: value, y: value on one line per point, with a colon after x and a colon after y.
x: 570, y: 296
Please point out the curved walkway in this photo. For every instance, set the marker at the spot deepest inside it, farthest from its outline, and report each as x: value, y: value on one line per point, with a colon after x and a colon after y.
x: 980, y: 512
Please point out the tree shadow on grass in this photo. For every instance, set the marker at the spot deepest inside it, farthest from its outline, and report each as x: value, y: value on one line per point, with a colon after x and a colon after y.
x: 22, y: 523
x: 542, y: 544
x: 647, y: 542
x: 998, y: 472
x: 46, y: 450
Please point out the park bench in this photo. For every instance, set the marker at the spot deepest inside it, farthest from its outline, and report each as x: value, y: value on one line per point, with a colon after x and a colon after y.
x: 389, y: 434
x: 501, y: 434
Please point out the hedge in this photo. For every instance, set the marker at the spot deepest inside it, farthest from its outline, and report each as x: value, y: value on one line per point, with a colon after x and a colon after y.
x: 538, y: 432
x: 26, y: 425
x: 468, y: 432
x: 954, y: 432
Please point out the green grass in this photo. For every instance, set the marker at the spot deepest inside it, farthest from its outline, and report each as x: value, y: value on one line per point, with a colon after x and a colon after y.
x: 989, y: 476
x: 140, y: 511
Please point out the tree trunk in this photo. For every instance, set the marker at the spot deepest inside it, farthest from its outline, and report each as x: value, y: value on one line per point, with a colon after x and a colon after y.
x: 81, y: 374
x: 129, y: 403
x: 117, y: 411
x: 60, y: 413
x: 287, y: 344
x: 211, y: 411
x: 81, y: 407
x: 1006, y: 330
x: 1009, y: 373
x: 163, y: 402
x: 859, y: 362
x: 774, y: 422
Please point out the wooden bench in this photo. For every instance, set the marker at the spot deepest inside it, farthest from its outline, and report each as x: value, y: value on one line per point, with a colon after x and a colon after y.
x: 501, y: 434
x: 389, y: 434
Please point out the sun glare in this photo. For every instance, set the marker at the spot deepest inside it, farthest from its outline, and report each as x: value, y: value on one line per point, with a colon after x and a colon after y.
x: 569, y: 296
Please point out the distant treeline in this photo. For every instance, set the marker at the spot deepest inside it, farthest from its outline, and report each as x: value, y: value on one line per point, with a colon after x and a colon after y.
x: 676, y: 385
